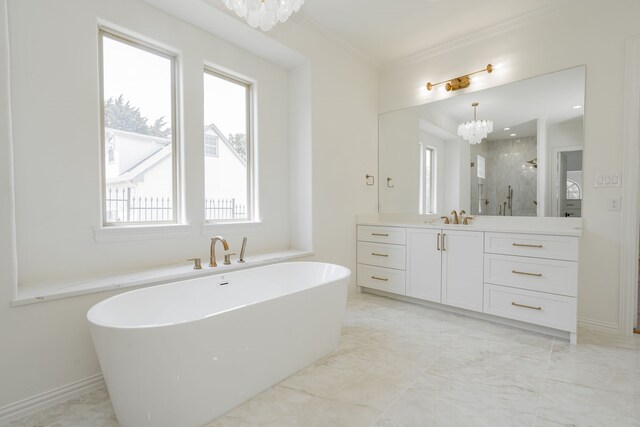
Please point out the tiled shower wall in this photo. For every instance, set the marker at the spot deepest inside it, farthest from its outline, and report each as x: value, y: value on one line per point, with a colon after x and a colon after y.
x: 505, y: 164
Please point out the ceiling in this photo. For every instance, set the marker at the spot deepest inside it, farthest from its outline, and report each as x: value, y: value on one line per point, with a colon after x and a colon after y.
x: 383, y: 31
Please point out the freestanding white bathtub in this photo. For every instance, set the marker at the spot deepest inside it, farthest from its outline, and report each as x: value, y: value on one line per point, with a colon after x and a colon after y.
x: 182, y: 354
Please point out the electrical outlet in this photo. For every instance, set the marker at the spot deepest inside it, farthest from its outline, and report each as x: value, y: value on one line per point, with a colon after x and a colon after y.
x: 614, y: 203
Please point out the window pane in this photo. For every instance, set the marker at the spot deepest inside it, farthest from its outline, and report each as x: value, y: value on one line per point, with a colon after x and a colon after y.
x: 428, y: 175
x: 226, y: 174
x: 573, y: 190
x: 138, y: 139
x: 211, y: 145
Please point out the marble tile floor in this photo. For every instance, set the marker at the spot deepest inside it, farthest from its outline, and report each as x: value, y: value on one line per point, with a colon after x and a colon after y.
x: 401, y: 364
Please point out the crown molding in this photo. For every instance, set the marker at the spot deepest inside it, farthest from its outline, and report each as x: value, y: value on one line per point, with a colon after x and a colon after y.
x: 474, y: 37
x: 339, y: 41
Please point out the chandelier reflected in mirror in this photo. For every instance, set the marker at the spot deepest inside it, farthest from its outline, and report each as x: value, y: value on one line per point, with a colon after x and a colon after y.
x: 264, y: 14
x: 475, y: 130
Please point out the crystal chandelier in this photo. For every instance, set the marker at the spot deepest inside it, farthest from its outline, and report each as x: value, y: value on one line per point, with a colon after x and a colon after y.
x: 475, y: 130
x: 264, y: 13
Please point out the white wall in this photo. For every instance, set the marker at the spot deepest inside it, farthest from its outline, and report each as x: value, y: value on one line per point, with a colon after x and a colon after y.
x: 562, y: 39
x: 48, y: 344
x: 344, y: 122
x: 457, y: 176
x: 300, y: 135
x: 399, y: 133
x: 66, y: 98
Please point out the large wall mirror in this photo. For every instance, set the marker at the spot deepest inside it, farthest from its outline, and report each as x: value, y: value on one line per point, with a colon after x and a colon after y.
x: 530, y: 164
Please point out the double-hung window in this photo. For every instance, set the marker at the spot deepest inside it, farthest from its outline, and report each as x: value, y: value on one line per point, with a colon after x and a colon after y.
x: 139, y: 165
x: 228, y: 166
x: 210, y: 145
x: 428, y: 181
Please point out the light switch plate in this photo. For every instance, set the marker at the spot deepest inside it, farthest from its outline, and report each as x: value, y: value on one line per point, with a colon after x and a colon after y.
x: 608, y: 180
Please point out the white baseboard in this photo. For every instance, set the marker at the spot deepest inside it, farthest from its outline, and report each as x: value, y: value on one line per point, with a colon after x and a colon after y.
x: 49, y: 398
x: 598, y: 325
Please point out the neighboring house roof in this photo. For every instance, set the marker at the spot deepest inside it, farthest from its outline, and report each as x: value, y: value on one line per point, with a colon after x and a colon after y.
x: 142, y: 167
x: 150, y: 138
x: 145, y: 163
x: 148, y: 163
x: 215, y: 129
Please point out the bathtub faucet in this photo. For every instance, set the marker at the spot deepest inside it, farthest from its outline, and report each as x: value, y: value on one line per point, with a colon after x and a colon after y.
x: 225, y: 245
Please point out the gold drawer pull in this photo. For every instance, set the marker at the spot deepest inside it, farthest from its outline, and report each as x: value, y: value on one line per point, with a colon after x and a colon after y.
x: 379, y: 278
x: 522, y: 245
x: 380, y: 234
x: 526, y: 274
x: 526, y: 306
x: 375, y: 254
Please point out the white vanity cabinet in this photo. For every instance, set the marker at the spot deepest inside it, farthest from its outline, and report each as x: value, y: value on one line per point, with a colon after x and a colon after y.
x: 424, y: 264
x: 382, y: 258
x: 532, y: 278
x: 445, y: 266
x: 462, y: 265
x: 526, y: 277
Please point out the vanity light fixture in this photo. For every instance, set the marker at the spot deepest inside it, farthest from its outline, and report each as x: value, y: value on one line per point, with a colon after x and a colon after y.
x: 264, y: 13
x: 475, y: 130
x: 457, y: 82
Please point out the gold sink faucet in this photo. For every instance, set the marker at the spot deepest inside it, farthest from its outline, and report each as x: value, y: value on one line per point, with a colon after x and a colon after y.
x: 225, y: 245
x: 456, y: 220
x: 464, y: 220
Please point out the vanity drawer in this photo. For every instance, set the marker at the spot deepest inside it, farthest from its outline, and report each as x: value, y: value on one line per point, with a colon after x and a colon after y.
x: 383, y: 279
x: 532, y: 245
x: 544, y: 275
x: 553, y: 311
x: 394, y: 235
x: 381, y: 255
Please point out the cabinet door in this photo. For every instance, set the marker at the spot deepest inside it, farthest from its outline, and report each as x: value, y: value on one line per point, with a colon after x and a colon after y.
x: 424, y: 264
x: 462, y: 269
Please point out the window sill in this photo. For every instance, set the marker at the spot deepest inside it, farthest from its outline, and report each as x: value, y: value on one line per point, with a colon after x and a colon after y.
x: 43, y: 292
x: 125, y: 233
x: 209, y: 228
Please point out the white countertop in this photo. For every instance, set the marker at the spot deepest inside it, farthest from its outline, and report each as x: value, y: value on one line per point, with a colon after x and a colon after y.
x: 500, y: 224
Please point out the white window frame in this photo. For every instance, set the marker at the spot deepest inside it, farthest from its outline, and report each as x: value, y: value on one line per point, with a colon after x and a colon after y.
x: 173, y: 57
x: 428, y: 199
x: 570, y: 183
x: 252, y: 205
